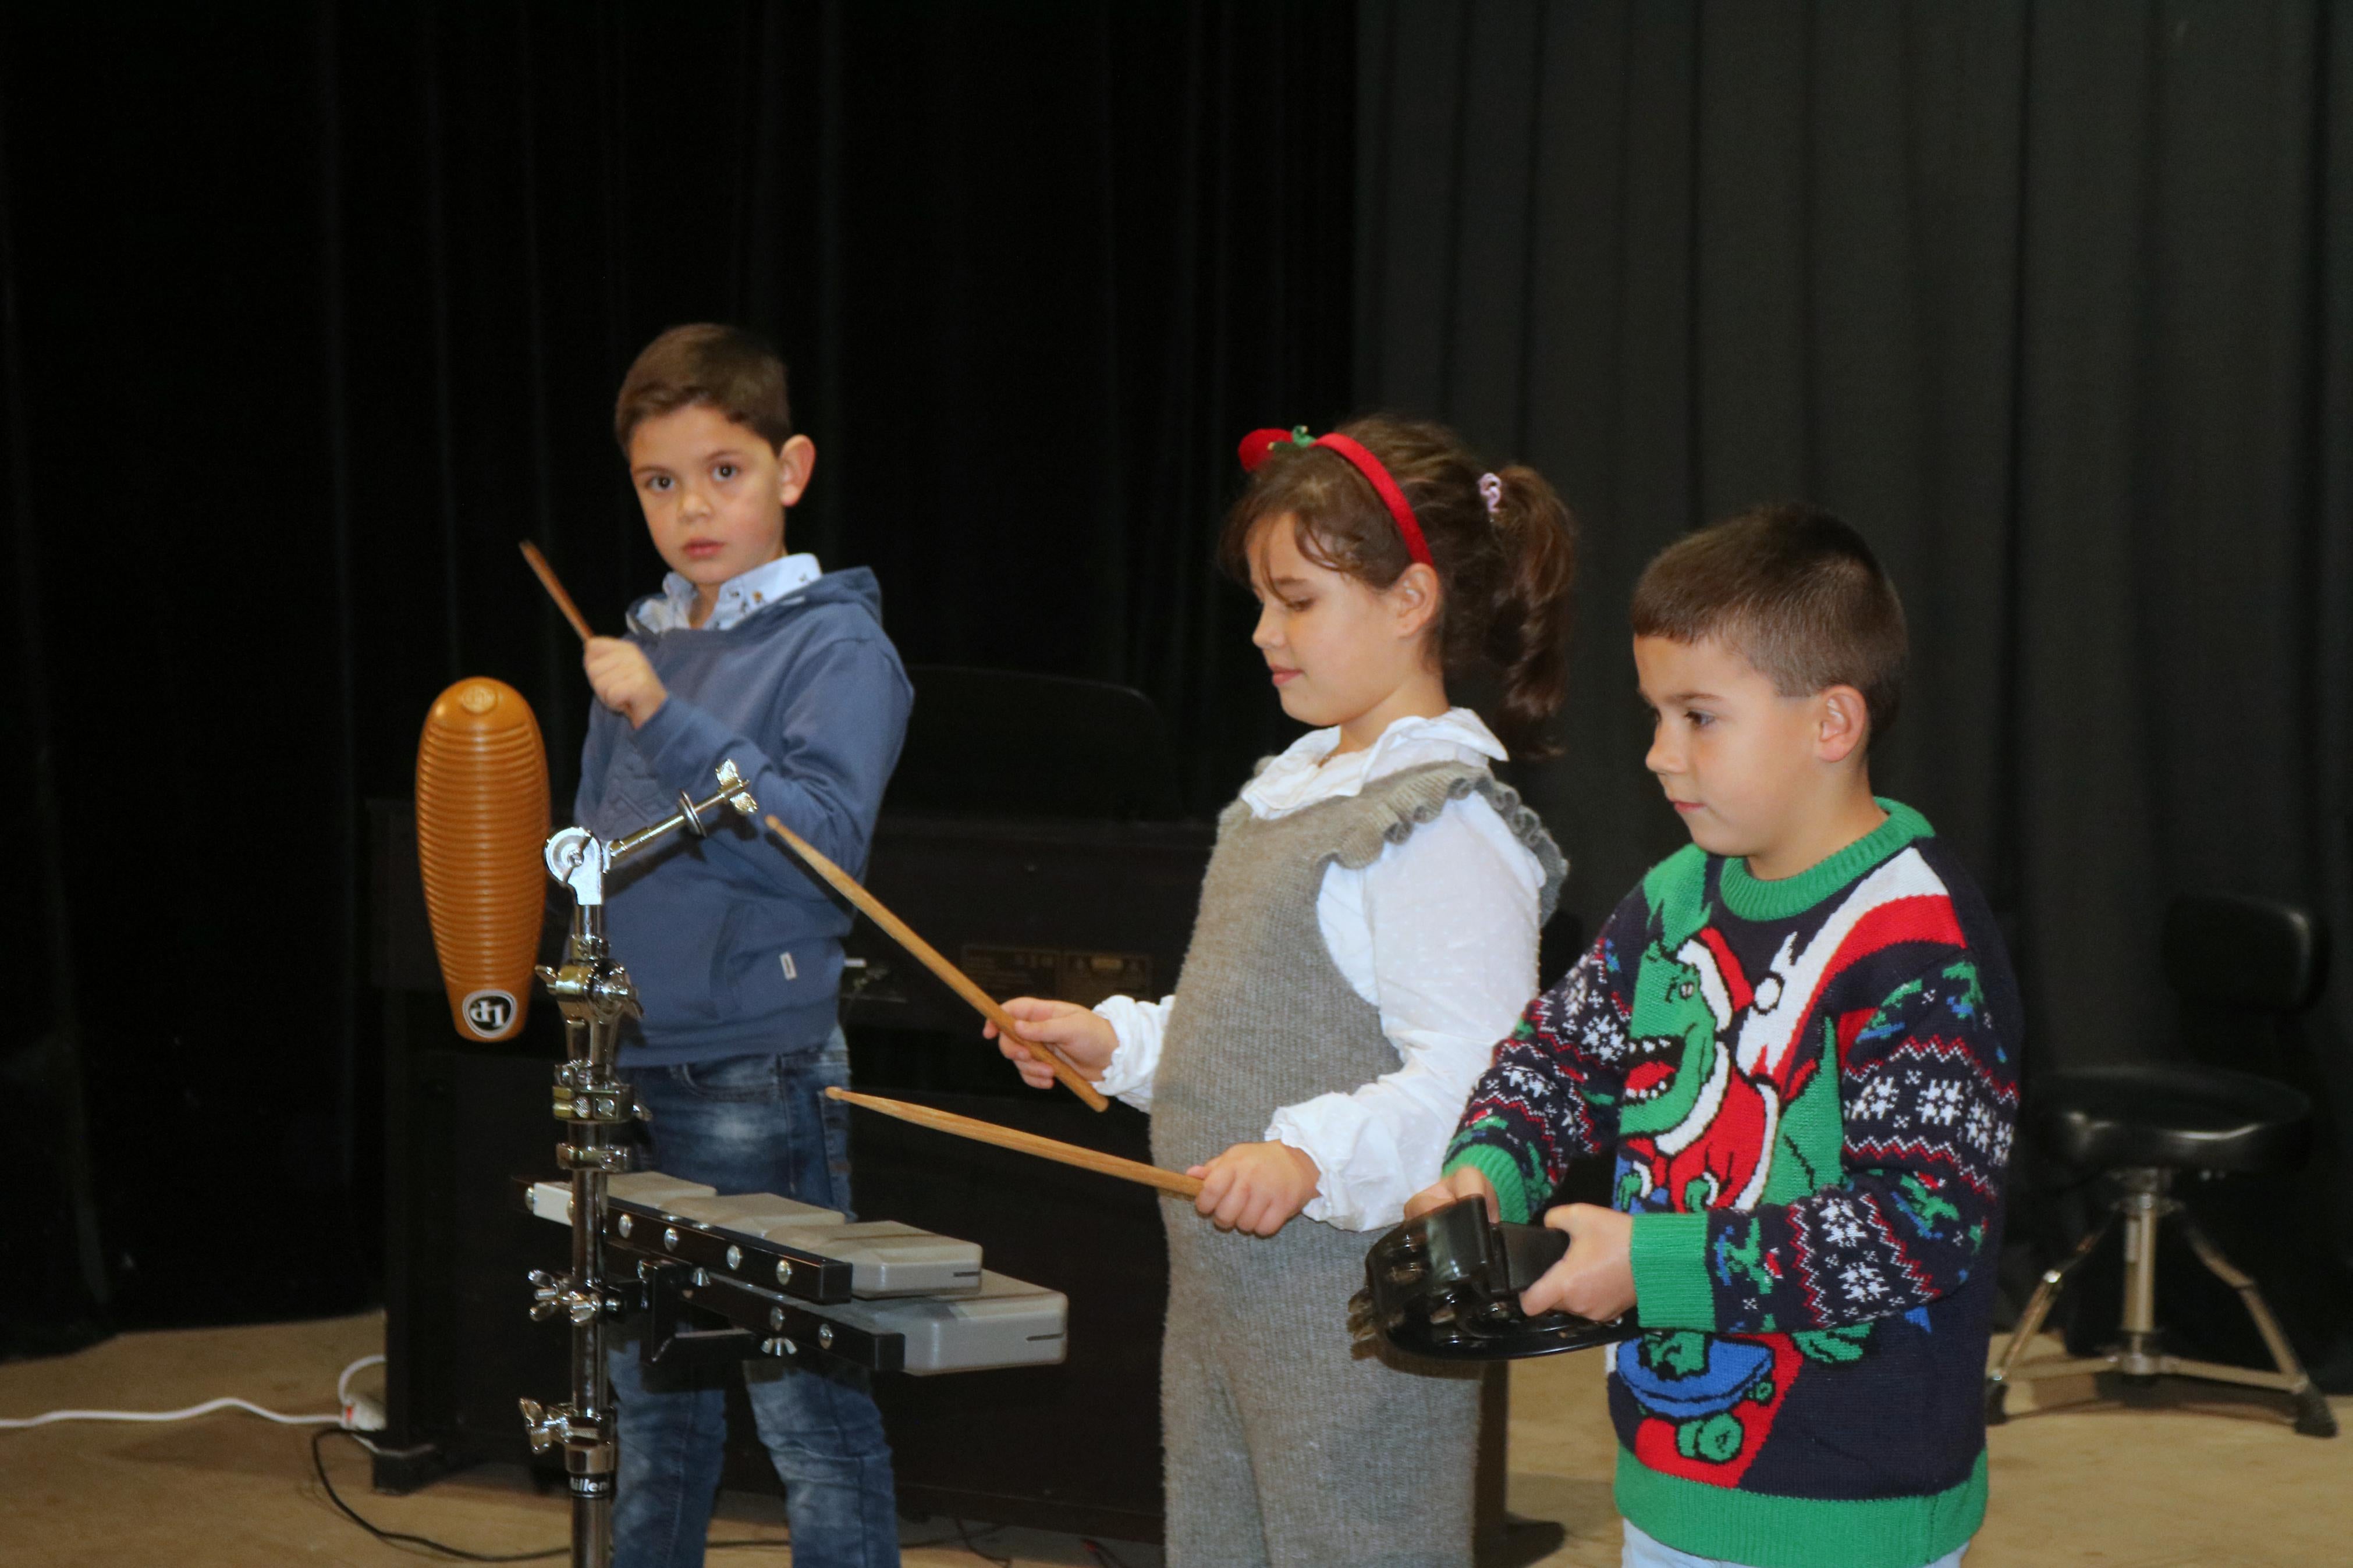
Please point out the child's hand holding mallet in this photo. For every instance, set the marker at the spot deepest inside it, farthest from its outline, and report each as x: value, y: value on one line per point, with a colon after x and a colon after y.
x: 623, y: 679
x: 1085, y: 1038
x: 1256, y: 1187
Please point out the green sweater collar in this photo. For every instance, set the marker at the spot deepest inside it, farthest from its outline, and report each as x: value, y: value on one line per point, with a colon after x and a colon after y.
x: 1754, y: 898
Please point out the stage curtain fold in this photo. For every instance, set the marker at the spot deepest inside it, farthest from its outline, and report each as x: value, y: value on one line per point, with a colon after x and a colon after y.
x: 2051, y: 301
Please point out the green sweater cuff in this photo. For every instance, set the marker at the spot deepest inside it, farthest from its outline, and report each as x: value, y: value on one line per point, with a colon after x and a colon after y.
x: 1511, y: 1191
x: 1672, y: 1289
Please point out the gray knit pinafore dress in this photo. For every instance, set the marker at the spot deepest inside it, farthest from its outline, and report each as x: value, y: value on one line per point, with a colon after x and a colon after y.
x: 1286, y: 1446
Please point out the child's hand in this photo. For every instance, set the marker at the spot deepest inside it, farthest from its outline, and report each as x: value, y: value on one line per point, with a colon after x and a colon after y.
x: 1465, y: 1181
x: 1085, y: 1039
x: 1595, y: 1279
x: 622, y: 678
x: 1256, y: 1187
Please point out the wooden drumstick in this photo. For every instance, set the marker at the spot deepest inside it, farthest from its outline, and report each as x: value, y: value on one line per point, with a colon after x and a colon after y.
x: 556, y: 590
x: 1027, y: 1143
x: 957, y: 980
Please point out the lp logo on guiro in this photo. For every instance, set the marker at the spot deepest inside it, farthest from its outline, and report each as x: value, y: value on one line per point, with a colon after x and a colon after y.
x: 488, y: 1011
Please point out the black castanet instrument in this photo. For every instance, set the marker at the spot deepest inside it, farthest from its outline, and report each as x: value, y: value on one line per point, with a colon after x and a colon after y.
x: 1446, y: 1286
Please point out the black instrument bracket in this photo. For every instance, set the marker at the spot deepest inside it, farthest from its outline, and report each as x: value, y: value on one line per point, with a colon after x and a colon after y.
x: 1446, y: 1286
x: 696, y: 1319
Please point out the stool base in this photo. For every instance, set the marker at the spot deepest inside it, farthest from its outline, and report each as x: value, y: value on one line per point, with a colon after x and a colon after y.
x: 2145, y: 1202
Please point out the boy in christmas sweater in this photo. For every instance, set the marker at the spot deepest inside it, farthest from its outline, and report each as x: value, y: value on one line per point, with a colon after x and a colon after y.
x: 1799, y: 1040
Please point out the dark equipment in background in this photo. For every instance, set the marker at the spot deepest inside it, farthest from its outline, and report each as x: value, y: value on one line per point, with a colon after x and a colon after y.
x: 1029, y: 835
x: 1004, y: 742
x: 2243, y: 969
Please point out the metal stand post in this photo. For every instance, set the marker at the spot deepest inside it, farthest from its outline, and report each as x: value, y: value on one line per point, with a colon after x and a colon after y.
x: 592, y: 1104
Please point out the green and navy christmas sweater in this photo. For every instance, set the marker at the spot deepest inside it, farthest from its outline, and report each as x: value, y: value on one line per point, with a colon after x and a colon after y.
x: 1809, y: 1087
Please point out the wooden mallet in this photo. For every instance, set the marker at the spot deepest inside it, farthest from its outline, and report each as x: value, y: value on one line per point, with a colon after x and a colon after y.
x: 929, y: 956
x: 547, y: 580
x: 1027, y: 1143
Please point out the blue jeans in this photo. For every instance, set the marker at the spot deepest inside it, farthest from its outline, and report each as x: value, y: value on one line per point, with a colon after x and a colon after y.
x: 1648, y: 1551
x: 752, y: 1124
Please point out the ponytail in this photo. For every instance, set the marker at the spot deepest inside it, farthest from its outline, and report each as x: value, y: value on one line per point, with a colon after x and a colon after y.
x: 1532, y: 611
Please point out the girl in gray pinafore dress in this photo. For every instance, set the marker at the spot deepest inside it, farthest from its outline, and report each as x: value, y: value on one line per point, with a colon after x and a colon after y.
x: 1287, y: 1445
x: 1284, y: 1444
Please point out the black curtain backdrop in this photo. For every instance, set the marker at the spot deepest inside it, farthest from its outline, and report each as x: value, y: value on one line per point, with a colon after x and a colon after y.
x: 312, y: 312
x: 2055, y: 302
x: 307, y: 314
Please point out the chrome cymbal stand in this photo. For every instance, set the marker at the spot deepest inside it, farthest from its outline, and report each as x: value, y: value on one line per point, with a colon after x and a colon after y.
x: 594, y: 993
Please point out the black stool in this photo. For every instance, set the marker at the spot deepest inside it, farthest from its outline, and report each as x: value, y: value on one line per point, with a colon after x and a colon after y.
x: 2231, y: 960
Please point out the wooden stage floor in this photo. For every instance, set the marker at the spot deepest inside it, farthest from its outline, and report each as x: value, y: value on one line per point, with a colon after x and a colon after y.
x: 2210, y: 1478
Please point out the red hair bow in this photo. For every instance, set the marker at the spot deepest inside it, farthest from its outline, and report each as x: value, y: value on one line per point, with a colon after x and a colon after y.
x: 1260, y: 445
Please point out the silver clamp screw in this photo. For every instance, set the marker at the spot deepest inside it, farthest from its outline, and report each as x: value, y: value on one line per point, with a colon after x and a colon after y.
x: 553, y: 1293
x: 548, y: 1426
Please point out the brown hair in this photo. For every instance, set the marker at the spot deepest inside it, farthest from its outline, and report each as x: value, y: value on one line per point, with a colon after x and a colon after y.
x: 723, y: 367
x: 1504, y: 579
x: 1794, y: 592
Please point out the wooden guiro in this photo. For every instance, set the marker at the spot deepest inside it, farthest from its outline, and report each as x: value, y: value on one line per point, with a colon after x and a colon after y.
x: 481, y: 817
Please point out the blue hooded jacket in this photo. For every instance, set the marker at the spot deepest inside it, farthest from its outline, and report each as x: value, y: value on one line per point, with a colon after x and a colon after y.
x: 734, y: 949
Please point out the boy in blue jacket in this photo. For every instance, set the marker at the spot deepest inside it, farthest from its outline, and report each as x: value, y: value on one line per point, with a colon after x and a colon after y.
x: 750, y: 654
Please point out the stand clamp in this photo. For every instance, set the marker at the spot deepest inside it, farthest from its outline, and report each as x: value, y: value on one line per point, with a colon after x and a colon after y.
x: 553, y: 1293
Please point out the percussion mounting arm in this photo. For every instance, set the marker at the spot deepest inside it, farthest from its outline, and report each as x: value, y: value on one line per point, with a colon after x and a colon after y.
x: 579, y: 860
x: 691, y: 812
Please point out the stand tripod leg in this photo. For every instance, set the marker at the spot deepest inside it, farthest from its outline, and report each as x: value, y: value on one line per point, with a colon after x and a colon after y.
x: 2029, y: 1322
x: 2313, y: 1417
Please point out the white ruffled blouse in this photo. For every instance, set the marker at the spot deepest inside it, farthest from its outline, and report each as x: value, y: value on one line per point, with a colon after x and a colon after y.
x: 1438, y: 935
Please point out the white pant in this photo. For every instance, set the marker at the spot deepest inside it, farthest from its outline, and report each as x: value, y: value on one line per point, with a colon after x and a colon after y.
x: 1647, y: 1551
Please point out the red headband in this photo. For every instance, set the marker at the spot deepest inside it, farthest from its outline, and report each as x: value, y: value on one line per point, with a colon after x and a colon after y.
x: 1260, y: 445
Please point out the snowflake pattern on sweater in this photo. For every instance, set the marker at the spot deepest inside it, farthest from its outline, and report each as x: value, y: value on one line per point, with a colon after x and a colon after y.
x: 1807, y: 1089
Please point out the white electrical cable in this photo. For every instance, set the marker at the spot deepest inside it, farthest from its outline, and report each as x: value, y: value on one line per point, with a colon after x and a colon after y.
x: 208, y: 1407
x: 339, y: 1418
x: 361, y: 1414
x: 343, y: 1384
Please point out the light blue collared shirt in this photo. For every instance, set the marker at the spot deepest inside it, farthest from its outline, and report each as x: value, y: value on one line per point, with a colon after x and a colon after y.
x: 738, y: 596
